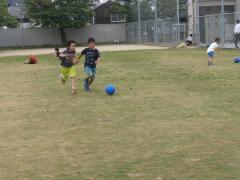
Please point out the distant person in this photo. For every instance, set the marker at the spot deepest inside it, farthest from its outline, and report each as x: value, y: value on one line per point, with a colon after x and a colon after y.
x: 237, y: 33
x: 92, y: 58
x: 116, y: 41
x: 68, y: 61
x: 189, y: 40
x: 211, y: 51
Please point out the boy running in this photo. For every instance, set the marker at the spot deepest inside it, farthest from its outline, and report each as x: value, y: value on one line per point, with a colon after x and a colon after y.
x: 68, y: 61
x: 92, y: 58
x: 211, y: 51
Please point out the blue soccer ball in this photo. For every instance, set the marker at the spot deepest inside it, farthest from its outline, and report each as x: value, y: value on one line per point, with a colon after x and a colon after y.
x: 110, y: 89
x: 237, y: 60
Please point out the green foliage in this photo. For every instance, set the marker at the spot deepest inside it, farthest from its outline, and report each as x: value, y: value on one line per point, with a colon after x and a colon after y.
x: 117, y: 7
x: 59, y: 13
x: 166, y: 9
x: 5, y: 18
x: 11, y: 22
x: 147, y: 12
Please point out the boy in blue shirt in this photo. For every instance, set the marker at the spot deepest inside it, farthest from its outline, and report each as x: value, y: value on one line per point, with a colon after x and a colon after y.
x: 92, y: 58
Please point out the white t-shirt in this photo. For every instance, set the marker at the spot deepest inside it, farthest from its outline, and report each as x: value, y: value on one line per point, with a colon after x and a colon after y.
x: 189, y: 38
x: 212, y: 47
x: 237, y: 29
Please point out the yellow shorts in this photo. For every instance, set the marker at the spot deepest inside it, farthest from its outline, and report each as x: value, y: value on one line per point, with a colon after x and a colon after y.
x: 68, y: 72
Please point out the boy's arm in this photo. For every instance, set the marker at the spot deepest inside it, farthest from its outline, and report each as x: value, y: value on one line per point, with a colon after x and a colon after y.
x: 75, y: 60
x: 62, y: 55
x: 98, y: 60
x: 80, y: 56
x: 59, y: 54
x: 217, y: 50
x: 98, y: 57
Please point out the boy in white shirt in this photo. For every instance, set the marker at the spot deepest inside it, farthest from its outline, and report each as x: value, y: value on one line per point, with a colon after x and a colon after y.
x: 189, y: 40
x: 211, y: 51
x: 237, y: 33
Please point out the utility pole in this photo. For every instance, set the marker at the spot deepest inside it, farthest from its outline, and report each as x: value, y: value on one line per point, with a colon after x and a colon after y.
x: 222, y: 24
x: 139, y: 22
x: 178, y: 23
x: 156, y: 22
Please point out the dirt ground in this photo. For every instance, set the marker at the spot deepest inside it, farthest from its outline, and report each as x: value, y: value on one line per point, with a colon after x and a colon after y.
x: 40, y: 51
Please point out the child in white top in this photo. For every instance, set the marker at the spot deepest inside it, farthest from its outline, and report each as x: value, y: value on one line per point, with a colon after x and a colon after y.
x: 211, y: 51
x: 189, y: 40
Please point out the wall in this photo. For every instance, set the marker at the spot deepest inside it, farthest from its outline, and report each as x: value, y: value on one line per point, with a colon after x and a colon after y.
x: 39, y: 37
x: 101, y: 32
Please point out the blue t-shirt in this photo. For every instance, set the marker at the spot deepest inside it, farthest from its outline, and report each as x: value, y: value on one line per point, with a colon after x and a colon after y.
x: 91, y: 56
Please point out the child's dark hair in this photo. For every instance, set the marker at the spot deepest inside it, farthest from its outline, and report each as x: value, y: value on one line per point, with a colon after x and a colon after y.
x: 238, y: 21
x: 70, y: 42
x: 91, y: 40
x: 217, y: 39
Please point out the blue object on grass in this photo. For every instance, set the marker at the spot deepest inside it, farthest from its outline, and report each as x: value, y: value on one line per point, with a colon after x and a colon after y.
x: 110, y: 89
x: 237, y: 60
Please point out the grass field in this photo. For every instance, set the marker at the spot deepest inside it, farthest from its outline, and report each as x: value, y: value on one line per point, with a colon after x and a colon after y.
x: 173, y: 117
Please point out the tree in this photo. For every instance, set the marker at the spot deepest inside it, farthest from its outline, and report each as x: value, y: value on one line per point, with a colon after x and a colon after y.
x: 167, y: 9
x: 118, y: 6
x: 60, y: 14
x: 147, y: 12
x: 5, y: 18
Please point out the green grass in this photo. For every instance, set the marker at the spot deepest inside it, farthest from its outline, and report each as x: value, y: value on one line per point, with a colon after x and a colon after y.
x: 173, y: 117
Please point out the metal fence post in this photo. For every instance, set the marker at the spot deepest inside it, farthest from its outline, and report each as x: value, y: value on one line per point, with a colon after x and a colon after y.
x: 222, y: 24
x: 178, y: 22
x: 139, y: 22
x: 156, y: 23
x: 145, y: 31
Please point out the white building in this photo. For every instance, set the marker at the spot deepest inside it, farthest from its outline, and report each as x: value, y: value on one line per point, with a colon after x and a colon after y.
x: 203, y: 16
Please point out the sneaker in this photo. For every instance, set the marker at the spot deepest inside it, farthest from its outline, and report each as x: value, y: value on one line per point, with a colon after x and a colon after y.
x: 210, y: 64
x: 86, y: 86
x: 74, y: 91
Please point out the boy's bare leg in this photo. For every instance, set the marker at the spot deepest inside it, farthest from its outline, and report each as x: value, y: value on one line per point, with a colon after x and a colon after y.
x: 90, y: 80
x: 210, y: 60
x: 74, y: 84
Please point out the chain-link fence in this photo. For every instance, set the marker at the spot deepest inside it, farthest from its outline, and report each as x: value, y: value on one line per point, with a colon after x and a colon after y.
x: 209, y: 27
x: 205, y: 30
x: 157, y: 21
x: 164, y: 31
